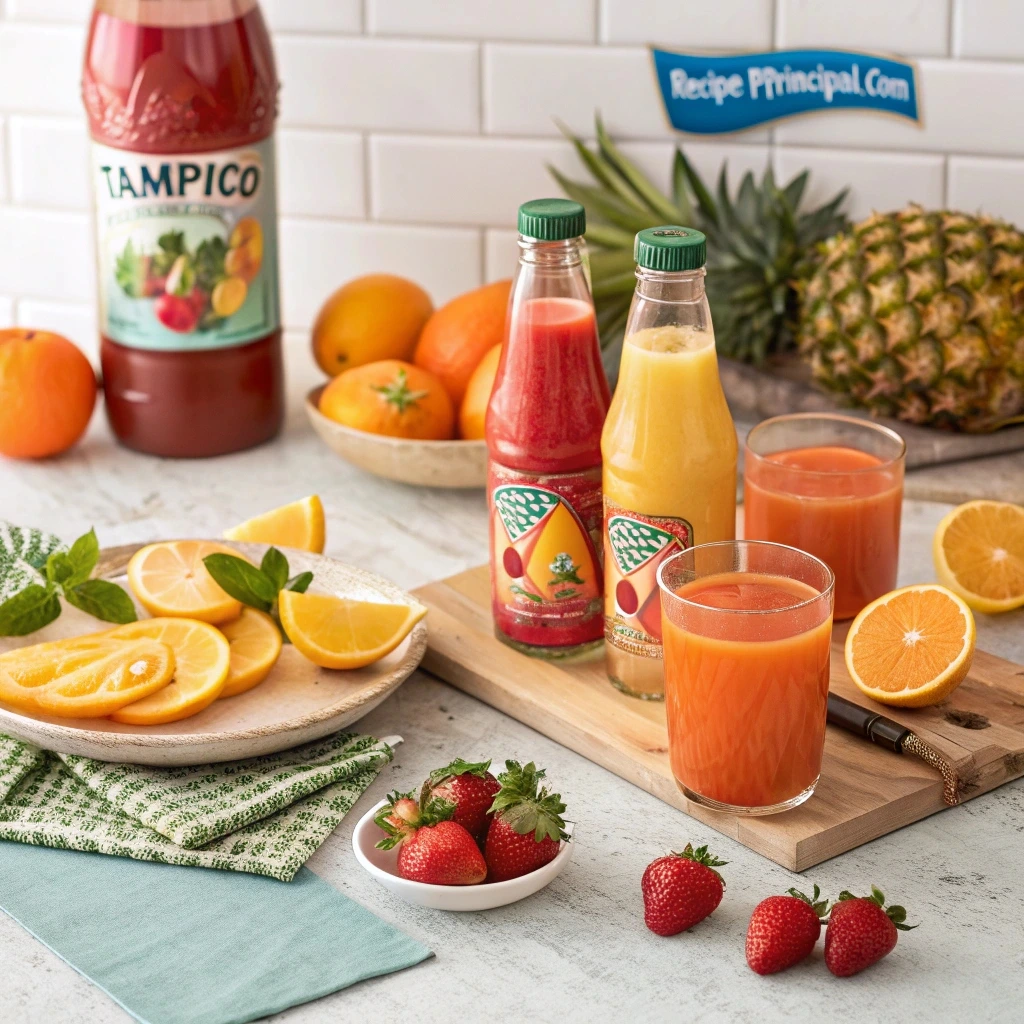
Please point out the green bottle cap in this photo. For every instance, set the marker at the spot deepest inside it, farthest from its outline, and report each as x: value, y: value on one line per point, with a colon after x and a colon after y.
x: 552, y: 220
x: 671, y: 248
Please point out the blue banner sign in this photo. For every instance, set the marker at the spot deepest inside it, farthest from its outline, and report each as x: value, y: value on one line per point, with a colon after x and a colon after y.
x: 709, y: 95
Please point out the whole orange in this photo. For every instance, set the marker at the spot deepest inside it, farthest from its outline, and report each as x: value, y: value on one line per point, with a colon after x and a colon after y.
x: 473, y: 411
x: 390, y: 397
x: 460, y: 334
x: 378, y: 316
x: 47, y: 393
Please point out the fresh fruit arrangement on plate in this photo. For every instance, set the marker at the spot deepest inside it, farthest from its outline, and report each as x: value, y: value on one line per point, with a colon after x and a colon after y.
x: 467, y: 827
x: 217, y: 627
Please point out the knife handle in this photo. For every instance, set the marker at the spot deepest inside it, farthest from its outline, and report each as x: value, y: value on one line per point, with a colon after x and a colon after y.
x: 869, y: 724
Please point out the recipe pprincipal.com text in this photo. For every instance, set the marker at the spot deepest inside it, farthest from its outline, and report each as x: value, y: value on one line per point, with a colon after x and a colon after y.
x: 769, y: 83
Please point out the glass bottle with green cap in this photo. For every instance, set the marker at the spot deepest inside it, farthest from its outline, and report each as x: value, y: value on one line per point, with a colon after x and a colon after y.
x: 544, y: 421
x: 669, y: 450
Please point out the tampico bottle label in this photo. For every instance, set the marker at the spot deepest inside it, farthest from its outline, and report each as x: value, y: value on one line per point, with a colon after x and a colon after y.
x: 635, y: 545
x: 546, y: 555
x: 187, y: 247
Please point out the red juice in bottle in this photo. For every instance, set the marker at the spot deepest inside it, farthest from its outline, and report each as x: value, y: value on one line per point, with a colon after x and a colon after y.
x: 181, y: 101
x: 544, y: 421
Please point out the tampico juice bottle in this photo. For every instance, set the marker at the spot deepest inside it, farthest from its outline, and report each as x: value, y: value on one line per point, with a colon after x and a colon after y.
x: 543, y: 432
x: 669, y: 450
x: 181, y: 99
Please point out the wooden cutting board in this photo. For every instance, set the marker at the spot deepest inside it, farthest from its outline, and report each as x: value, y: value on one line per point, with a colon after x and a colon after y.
x: 864, y: 791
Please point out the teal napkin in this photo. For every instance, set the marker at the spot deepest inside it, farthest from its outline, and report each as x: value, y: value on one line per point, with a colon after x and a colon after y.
x: 180, y: 945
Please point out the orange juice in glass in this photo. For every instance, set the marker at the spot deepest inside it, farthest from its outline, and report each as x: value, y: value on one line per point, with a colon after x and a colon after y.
x: 832, y: 486
x: 747, y: 630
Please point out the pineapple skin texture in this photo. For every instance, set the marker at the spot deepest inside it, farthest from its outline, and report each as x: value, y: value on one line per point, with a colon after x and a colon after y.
x: 919, y: 315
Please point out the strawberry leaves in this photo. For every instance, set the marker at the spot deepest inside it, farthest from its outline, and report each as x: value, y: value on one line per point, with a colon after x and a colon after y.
x: 459, y: 767
x: 895, y: 913
x: 527, y: 808
x: 820, y: 907
x: 257, y: 587
x: 66, y: 574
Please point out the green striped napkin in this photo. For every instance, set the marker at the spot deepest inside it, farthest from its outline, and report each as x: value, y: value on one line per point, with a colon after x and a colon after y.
x: 23, y: 554
x: 265, y: 815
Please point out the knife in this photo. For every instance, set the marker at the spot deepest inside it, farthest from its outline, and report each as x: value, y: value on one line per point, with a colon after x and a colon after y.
x: 884, y: 732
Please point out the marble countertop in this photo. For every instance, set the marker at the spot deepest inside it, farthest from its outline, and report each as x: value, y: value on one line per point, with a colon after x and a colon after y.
x: 577, y: 951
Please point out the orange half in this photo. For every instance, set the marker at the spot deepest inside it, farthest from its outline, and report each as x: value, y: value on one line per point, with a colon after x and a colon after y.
x: 911, y: 647
x: 979, y: 554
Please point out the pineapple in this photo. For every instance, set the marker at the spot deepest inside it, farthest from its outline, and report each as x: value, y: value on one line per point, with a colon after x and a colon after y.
x: 915, y: 315
x: 920, y: 316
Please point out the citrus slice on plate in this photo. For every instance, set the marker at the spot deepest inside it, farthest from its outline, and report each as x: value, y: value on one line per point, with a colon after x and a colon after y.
x: 202, y: 657
x: 169, y: 579
x: 255, y: 645
x: 298, y: 525
x: 87, y: 683
x: 337, y: 632
x: 911, y: 647
x: 979, y: 554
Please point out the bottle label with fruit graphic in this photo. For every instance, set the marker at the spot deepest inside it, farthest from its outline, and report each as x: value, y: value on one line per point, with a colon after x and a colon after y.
x: 546, y: 556
x: 635, y: 546
x: 187, y: 247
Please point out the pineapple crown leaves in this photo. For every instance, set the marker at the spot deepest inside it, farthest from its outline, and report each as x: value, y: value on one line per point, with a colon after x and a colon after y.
x: 527, y: 808
x: 895, y: 913
x: 760, y: 244
x: 459, y: 767
x: 430, y: 811
x: 820, y: 907
x: 702, y: 856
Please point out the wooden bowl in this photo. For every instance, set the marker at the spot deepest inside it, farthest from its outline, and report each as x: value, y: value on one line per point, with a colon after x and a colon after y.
x: 454, y: 464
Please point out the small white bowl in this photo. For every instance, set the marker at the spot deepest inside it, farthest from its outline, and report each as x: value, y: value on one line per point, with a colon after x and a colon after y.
x: 383, y: 865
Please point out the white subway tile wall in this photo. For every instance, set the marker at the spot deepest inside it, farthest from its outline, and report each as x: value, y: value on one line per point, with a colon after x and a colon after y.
x: 410, y: 131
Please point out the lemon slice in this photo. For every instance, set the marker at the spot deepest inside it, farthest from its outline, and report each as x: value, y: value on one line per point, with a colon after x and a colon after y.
x: 255, y: 645
x: 169, y: 579
x: 979, y: 554
x: 298, y: 525
x: 335, y: 632
x: 911, y: 647
x: 202, y: 657
x: 85, y: 683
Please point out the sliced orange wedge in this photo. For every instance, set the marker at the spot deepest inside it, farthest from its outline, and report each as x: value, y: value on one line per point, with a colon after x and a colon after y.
x: 335, y: 632
x: 85, y: 683
x: 255, y: 645
x: 169, y: 579
x: 979, y: 554
x: 298, y: 525
x: 911, y: 647
x: 202, y: 658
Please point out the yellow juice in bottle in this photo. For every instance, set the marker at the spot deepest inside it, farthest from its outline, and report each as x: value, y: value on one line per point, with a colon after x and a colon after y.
x: 669, y: 452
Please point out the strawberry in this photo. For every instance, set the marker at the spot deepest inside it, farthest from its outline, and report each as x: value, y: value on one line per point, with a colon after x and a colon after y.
x: 527, y: 824
x: 471, y: 787
x: 431, y: 847
x: 681, y: 889
x: 861, y: 931
x: 783, y: 930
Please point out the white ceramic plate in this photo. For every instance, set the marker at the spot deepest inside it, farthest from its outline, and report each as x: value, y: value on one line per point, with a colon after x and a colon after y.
x: 383, y: 865
x: 297, y: 703
x: 453, y: 464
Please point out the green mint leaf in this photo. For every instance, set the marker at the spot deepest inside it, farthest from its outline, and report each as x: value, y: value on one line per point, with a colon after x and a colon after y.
x: 300, y: 584
x: 275, y: 567
x: 243, y: 581
x: 103, y: 600
x: 30, y: 609
x: 83, y: 557
x: 59, y: 568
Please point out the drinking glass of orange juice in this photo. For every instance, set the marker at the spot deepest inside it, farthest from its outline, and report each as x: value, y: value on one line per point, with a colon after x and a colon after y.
x: 747, y: 630
x: 833, y: 486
